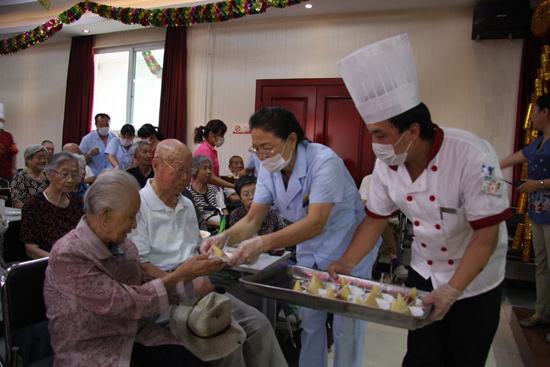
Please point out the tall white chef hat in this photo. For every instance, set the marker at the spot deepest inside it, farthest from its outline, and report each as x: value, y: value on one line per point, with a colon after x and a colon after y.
x: 2, y: 111
x: 381, y: 78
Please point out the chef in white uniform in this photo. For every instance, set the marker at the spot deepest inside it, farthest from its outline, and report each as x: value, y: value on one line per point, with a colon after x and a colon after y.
x: 444, y: 181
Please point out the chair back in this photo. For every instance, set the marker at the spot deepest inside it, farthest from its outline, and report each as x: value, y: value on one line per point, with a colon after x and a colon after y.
x: 24, y: 312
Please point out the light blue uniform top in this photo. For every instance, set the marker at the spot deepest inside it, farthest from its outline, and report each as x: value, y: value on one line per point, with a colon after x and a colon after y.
x: 318, y: 176
x: 124, y: 156
x: 90, y: 141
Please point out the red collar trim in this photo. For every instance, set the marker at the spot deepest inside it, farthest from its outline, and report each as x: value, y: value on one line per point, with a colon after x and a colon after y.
x: 436, y: 146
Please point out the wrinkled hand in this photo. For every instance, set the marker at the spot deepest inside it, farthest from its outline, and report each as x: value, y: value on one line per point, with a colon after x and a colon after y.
x: 93, y: 152
x: 248, y: 252
x: 529, y: 186
x: 340, y: 266
x: 218, y: 240
x: 202, y: 286
x: 197, y: 266
x: 442, y: 299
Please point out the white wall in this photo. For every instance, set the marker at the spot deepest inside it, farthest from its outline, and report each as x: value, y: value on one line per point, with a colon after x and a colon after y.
x: 467, y: 84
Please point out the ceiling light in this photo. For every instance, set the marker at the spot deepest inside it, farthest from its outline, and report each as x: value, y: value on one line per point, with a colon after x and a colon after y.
x: 308, y: 6
x: 85, y: 31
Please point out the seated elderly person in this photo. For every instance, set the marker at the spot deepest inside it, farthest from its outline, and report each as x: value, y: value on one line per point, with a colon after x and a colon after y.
x: 167, y: 235
x: 100, y: 312
x: 75, y: 149
x: 49, y: 215
x: 143, y: 156
x: 245, y: 188
x: 205, y: 195
x: 31, y: 180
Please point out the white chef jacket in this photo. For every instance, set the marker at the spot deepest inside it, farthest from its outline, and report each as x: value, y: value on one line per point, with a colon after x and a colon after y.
x: 446, y: 203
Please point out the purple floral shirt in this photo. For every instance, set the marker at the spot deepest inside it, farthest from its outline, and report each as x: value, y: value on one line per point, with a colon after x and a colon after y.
x: 96, y: 303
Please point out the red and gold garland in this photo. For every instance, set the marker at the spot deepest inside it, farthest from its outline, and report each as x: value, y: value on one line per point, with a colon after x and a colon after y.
x: 540, y: 21
x: 170, y: 17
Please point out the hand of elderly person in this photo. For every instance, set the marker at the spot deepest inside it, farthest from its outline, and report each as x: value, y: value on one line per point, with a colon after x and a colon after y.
x: 202, y: 286
x: 93, y: 152
x: 248, y: 252
x: 218, y: 240
x: 197, y: 266
x: 442, y: 298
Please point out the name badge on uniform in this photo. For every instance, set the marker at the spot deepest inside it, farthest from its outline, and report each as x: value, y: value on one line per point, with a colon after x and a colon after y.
x: 491, y: 186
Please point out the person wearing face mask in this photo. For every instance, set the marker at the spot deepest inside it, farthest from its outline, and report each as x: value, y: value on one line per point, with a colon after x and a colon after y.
x: 443, y: 180
x: 211, y: 137
x: 311, y: 188
x: 8, y: 149
x: 93, y: 144
x: 121, y: 150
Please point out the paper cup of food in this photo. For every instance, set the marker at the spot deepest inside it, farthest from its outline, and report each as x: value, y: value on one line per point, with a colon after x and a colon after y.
x: 204, y: 234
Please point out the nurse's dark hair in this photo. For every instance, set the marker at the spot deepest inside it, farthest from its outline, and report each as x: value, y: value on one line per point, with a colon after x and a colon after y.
x: 419, y: 114
x: 244, y: 181
x: 148, y: 130
x: 277, y: 120
x: 218, y: 127
x: 127, y: 129
x: 543, y: 101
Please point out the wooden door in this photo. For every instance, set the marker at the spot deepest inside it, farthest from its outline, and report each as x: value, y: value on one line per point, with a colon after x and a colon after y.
x: 326, y: 111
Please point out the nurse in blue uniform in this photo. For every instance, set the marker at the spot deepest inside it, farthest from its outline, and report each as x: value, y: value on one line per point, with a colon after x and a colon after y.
x: 311, y: 187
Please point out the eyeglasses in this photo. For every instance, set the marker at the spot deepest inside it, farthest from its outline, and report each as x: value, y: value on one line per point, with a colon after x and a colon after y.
x: 180, y: 170
x: 263, y: 151
x: 66, y: 175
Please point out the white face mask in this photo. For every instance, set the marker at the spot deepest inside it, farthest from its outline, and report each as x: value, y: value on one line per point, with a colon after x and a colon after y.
x: 2, y: 126
x: 103, y: 131
x: 386, y: 153
x: 126, y: 142
x: 277, y: 162
x: 219, y: 142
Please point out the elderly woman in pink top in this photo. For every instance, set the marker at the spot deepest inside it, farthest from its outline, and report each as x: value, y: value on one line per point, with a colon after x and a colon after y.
x: 100, y: 310
x: 210, y: 137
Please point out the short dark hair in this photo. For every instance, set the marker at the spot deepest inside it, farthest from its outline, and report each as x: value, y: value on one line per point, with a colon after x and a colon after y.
x: 419, y: 114
x: 218, y: 127
x: 148, y: 130
x: 543, y: 101
x: 244, y: 181
x: 235, y: 156
x: 127, y: 129
x: 277, y: 120
x: 102, y: 115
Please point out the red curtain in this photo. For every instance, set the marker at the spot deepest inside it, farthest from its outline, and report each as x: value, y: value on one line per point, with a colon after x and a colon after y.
x: 530, y: 61
x: 173, y: 96
x: 79, y: 96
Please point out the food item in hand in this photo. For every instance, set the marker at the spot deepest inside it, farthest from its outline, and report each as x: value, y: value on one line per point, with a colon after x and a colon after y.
x: 297, y: 286
x: 344, y: 293
x: 314, y: 284
x: 218, y: 252
x: 399, y: 305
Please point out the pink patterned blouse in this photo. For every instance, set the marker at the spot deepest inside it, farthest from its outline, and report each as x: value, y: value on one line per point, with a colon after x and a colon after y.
x: 96, y: 303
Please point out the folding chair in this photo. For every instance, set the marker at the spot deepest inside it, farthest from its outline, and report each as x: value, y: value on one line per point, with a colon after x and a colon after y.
x: 24, y: 314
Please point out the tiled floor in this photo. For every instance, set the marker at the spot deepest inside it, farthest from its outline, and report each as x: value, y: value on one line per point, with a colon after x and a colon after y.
x: 385, y: 346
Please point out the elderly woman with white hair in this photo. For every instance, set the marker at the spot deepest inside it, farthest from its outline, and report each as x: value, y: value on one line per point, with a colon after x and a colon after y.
x: 101, y: 311
x: 49, y: 215
x: 31, y: 180
x: 205, y: 196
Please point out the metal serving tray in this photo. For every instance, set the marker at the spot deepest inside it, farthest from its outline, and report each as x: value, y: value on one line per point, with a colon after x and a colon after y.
x: 277, y: 281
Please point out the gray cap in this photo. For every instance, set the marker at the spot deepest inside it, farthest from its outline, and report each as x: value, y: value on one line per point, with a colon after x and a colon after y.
x: 32, y: 150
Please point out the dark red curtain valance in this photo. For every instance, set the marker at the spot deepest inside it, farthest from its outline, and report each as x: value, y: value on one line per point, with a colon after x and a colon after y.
x: 79, y: 97
x: 173, y: 97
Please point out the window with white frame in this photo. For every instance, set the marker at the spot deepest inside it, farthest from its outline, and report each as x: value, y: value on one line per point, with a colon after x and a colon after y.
x: 127, y: 84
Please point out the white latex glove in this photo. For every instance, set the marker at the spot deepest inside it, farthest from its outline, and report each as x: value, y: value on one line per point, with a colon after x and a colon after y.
x: 248, y: 252
x: 442, y: 298
x: 218, y: 240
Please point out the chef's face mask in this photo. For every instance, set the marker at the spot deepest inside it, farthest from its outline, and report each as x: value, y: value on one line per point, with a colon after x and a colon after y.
x: 277, y: 163
x: 386, y: 152
x: 103, y: 131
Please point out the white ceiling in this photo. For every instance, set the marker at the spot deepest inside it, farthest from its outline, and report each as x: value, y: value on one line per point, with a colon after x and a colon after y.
x: 20, y: 15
